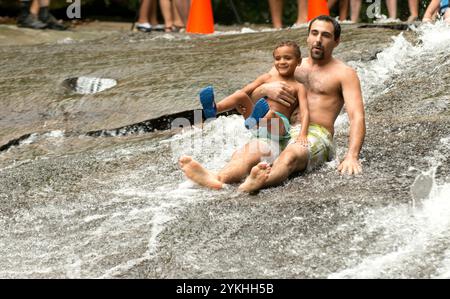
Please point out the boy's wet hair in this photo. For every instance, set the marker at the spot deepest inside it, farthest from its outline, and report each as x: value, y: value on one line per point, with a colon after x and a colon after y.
x: 289, y: 43
x: 337, y: 27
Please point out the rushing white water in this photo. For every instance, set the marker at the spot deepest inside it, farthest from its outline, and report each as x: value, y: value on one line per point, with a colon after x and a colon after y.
x: 109, y: 216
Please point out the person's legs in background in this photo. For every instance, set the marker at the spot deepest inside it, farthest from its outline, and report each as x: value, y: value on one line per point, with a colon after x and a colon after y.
x: 413, y: 10
x: 355, y: 7
x: 29, y: 10
x: 143, y: 23
x: 172, y: 19
x: 432, y: 11
x: 392, y: 8
x: 276, y: 13
x: 343, y: 8
x: 178, y: 22
x: 302, y: 12
x: 166, y: 11
x: 41, y: 9
x: 183, y: 7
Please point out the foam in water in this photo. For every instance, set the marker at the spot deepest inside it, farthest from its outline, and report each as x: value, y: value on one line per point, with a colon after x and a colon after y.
x: 398, y: 57
x: 412, y: 230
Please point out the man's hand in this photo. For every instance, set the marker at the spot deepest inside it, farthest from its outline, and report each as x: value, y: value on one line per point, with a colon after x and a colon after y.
x: 281, y: 92
x: 350, y: 166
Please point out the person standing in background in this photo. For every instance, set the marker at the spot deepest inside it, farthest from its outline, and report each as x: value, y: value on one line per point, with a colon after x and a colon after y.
x: 413, y: 10
x: 35, y: 14
x: 355, y: 9
x: 343, y: 8
x: 172, y: 18
x: 148, y: 17
x: 183, y: 7
x: 276, y: 12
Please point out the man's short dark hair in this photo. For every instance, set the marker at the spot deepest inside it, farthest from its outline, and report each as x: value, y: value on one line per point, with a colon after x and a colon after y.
x: 337, y: 27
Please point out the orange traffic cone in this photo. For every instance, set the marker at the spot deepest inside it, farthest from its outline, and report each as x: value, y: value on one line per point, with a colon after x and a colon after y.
x: 200, y: 17
x: 317, y: 8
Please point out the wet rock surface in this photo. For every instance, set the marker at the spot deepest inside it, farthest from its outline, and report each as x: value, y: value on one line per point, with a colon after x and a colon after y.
x: 112, y: 207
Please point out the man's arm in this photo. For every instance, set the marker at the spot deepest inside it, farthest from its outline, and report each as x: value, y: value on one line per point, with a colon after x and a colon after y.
x: 278, y: 91
x: 351, y: 90
x: 250, y: 88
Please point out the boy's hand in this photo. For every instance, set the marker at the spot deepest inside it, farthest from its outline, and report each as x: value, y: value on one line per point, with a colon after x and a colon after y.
x: 302, y: 141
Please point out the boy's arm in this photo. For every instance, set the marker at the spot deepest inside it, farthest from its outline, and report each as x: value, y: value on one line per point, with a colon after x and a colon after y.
x: 250, y: 88
x: 303, y: 116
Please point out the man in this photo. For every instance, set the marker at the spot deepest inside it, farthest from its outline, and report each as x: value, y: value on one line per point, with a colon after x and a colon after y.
x: 329, y: 85
x: 35, y: 14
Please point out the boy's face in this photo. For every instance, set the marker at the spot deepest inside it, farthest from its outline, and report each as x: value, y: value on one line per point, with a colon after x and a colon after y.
x: 285, y: 60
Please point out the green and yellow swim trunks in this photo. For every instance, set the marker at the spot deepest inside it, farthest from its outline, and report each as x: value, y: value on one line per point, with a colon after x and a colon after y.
x: 320, y: 144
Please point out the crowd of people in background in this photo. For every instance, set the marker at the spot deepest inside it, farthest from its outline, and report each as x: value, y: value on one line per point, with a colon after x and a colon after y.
x: 35, y: 13
x: 354, y: 8
x: 174, y: 12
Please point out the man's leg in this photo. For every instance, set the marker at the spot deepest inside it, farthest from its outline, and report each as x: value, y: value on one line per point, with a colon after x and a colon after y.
x: 293, y: 159
x: 237, y: 169
x: 392, y: 8
x: 276, y: 12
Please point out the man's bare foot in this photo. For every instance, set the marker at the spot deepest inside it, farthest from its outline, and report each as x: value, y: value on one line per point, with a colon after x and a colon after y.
x: 258, y: 176
x: 194, y: 171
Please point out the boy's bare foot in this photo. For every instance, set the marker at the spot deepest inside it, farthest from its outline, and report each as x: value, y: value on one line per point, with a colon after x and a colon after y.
x: 258, y: 176
x: 194, y: 171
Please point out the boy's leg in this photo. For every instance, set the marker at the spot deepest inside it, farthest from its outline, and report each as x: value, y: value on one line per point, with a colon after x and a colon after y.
x: 274, y: 123
x: 236, y: 170
x: 239, y: 100
x: 242, y: 161
x: 293, y: 159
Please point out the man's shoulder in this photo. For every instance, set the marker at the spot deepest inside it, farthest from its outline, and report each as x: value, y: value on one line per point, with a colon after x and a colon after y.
x: 343, y: 69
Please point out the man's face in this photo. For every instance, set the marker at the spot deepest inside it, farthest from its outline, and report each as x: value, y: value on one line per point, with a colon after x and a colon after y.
x: 321, y: 41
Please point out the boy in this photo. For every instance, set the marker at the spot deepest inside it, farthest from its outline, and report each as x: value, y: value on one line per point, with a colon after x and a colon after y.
x: 287, y: 57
